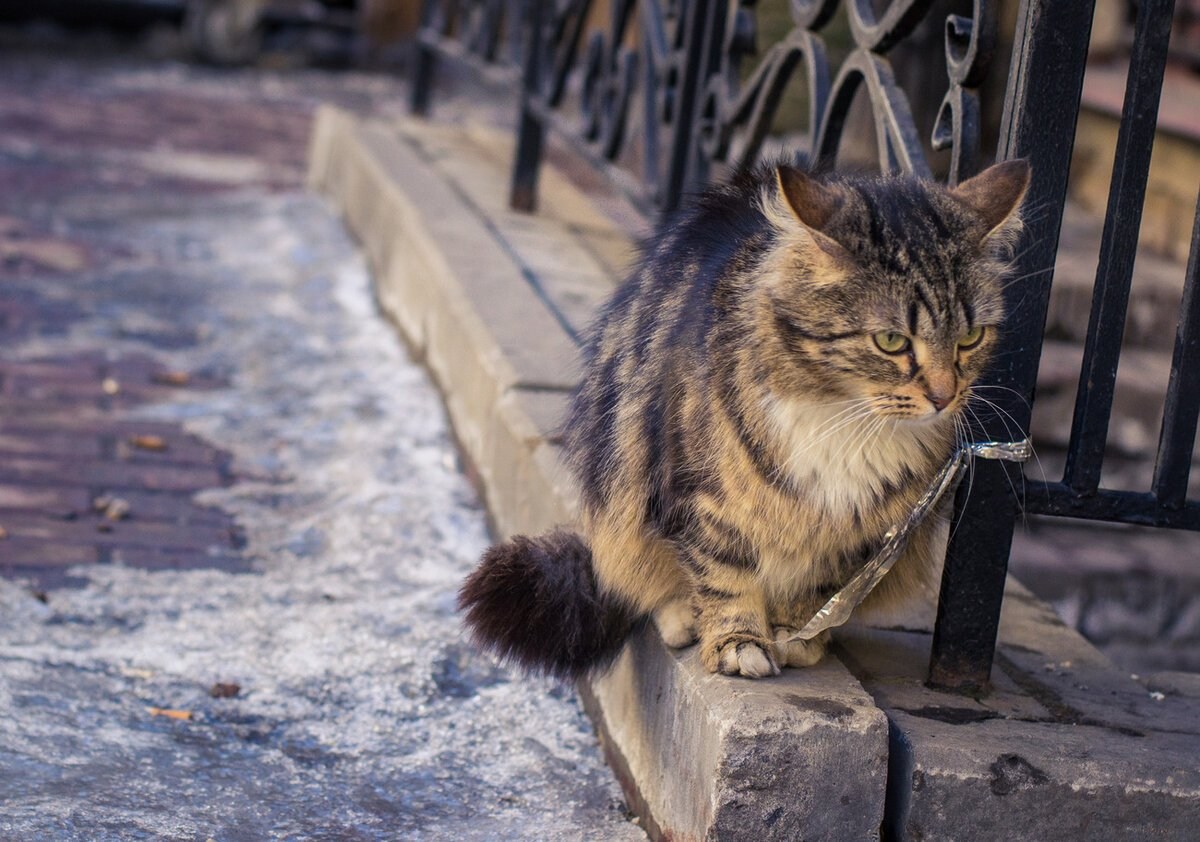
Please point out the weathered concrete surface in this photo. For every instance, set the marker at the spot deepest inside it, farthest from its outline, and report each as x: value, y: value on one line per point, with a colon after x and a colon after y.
x: 800, y: 757
x: 1066, y: 746
x: 360, y: 711
x: 1048, y: 752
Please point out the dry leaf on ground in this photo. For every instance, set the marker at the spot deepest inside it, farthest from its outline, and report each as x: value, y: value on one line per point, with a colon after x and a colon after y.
x: 170, y: 713
x: 171, y: 378
x: 53, y: 254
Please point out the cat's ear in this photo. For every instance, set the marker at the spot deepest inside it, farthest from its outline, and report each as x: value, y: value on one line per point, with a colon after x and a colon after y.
x: 812, y: 203
x: 995, y: 195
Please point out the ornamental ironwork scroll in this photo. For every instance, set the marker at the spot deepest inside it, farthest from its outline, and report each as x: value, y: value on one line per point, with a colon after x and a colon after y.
x: 646, y: 51
x: 735, y: 115
x: 683, y: 61
x: 485, y: 32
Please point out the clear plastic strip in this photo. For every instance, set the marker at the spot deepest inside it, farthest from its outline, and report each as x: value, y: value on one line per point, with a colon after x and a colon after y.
x: 841, y: 605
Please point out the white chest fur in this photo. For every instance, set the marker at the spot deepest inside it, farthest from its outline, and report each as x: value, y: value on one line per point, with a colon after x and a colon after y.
x: 840, y: 454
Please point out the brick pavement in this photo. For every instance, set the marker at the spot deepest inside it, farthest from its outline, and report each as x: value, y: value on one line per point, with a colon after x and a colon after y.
x: 83, y: 482
x: 83, y: 141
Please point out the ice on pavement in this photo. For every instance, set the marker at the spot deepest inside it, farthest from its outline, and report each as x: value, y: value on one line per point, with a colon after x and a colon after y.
x: 363, y: 711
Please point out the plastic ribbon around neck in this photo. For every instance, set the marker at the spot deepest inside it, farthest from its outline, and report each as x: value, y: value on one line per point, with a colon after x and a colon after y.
x: 837, y: 610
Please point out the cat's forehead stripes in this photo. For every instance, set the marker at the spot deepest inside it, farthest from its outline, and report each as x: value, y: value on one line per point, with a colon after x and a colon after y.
x: 924, y: 298
x: 909, y: 245
x: 906, y: 232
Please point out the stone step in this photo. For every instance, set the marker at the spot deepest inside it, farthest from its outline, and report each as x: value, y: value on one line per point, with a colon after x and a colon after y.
x: 1137, y: 409
x: 1133, y: 591
x: 1170, y: 203
x: 1137, y: 401
x: 1154, y: 297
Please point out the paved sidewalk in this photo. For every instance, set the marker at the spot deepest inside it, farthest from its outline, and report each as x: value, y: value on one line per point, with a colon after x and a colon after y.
x: 234, y: 519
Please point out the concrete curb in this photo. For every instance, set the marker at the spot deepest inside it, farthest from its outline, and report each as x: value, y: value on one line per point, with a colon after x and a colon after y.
x: 494, y: 301
x: 436, y: 266
x: 801, y: 757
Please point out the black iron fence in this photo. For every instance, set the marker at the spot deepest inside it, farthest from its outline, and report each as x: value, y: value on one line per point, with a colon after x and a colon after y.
x: 674, y: 89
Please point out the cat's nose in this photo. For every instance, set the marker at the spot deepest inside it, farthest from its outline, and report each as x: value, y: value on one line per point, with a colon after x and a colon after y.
x: 940, y: 400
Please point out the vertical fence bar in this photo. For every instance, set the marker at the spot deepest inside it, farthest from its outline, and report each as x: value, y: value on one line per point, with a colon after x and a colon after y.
x: 423, y: 63
x: 1042, y: 104
x: 1118, y: 247
x: 1182, y: 407
x: 531, y: 131
x: 487, y: 41
x: 700, y: 48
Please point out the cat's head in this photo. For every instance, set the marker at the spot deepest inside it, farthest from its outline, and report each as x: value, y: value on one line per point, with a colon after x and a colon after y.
x: 888, y: 290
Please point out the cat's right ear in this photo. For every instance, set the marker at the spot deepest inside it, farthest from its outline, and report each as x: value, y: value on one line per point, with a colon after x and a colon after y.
x: 812, y: 203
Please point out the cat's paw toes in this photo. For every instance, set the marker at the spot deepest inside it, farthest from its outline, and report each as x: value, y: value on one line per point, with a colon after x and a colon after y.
x: 676, y: 624
x: 746, y: 659
x: 798, y: 653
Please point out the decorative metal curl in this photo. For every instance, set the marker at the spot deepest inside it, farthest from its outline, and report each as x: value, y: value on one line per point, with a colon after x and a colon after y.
x: 648, y: 48
x: 672, y: 54
x: 895, y: 132
x: 683, y: 59
x: 880, y: 34
x: 558, y: 41
x: 969, y: 45
x: 812, y: 14
x: 735, y: 115
x: 958, y: 118
x: 734, y: 123
x: 609, y: 79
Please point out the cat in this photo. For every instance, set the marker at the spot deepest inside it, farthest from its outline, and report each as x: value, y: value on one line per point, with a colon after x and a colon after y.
x: 769, y: 392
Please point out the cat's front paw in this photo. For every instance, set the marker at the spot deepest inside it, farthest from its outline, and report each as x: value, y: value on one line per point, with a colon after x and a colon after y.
x: 746, y: 659
x: 799, y: 653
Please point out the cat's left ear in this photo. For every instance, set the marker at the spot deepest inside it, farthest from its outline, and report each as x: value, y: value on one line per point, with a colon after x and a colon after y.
x: 995, y: 195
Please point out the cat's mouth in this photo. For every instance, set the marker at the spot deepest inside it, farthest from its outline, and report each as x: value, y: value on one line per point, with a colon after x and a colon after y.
x: 922, y: 409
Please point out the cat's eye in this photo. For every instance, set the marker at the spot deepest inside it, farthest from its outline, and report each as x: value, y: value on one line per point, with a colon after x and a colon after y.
x: 891, y: 343
x: 971, y: 338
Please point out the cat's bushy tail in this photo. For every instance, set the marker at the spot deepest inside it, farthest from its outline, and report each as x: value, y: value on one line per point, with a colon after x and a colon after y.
x: 535, y: 602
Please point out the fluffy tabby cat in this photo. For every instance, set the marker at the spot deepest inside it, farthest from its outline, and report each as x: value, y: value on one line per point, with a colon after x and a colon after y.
x: 769, y: 392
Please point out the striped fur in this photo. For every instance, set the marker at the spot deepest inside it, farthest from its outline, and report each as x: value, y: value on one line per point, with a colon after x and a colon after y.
x: 741, y: 441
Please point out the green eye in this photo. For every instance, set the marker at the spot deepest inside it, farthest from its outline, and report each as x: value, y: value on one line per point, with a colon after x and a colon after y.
x: 891, y: 343
x: 971, y: 338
